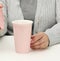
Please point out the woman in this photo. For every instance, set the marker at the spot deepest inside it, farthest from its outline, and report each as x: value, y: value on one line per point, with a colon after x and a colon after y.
x: 46, y: 30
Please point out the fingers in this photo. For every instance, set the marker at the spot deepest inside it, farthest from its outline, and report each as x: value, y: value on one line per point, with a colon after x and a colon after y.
x: 38, y: 42
x: 37, y: 46
x: 35, y: 38
x: 41, y: 46
x: 44, y: 45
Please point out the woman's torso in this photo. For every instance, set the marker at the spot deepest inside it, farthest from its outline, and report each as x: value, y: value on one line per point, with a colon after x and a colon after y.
x: 45, y: 13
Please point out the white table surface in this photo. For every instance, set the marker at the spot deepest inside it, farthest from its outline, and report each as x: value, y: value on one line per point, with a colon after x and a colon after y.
x: 7, y: 52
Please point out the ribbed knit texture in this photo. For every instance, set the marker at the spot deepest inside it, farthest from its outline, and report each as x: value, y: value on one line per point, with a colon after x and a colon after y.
x: 45, y: 15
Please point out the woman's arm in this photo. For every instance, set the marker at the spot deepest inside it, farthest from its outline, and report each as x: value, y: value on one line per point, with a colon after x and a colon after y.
x: 51, y: 36
x: 3, y: 31
x: 54, y: 32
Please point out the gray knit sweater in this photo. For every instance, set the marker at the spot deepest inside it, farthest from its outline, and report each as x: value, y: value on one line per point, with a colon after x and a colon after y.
x: 45, y: 12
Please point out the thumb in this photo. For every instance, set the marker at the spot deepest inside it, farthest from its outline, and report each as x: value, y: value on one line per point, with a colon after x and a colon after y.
x: 32, y: 36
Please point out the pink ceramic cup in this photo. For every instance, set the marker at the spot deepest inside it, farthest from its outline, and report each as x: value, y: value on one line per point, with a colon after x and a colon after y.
x: 22, y: 35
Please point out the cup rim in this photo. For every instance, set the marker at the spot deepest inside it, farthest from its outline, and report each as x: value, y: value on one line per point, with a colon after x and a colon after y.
x: 22, y: 21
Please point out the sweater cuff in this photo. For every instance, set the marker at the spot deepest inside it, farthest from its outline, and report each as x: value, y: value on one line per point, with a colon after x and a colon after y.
x: 53, y: 38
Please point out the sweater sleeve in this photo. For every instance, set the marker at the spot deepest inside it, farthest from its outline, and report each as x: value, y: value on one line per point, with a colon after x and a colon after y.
x: 3, y: 32
x: 54, y: 32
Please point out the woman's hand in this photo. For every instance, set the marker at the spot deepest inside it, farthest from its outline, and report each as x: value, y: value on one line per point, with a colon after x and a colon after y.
x: 39, y: 41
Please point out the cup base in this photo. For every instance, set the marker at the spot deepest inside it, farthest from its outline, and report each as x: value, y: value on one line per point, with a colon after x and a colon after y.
x: 22, y: 52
